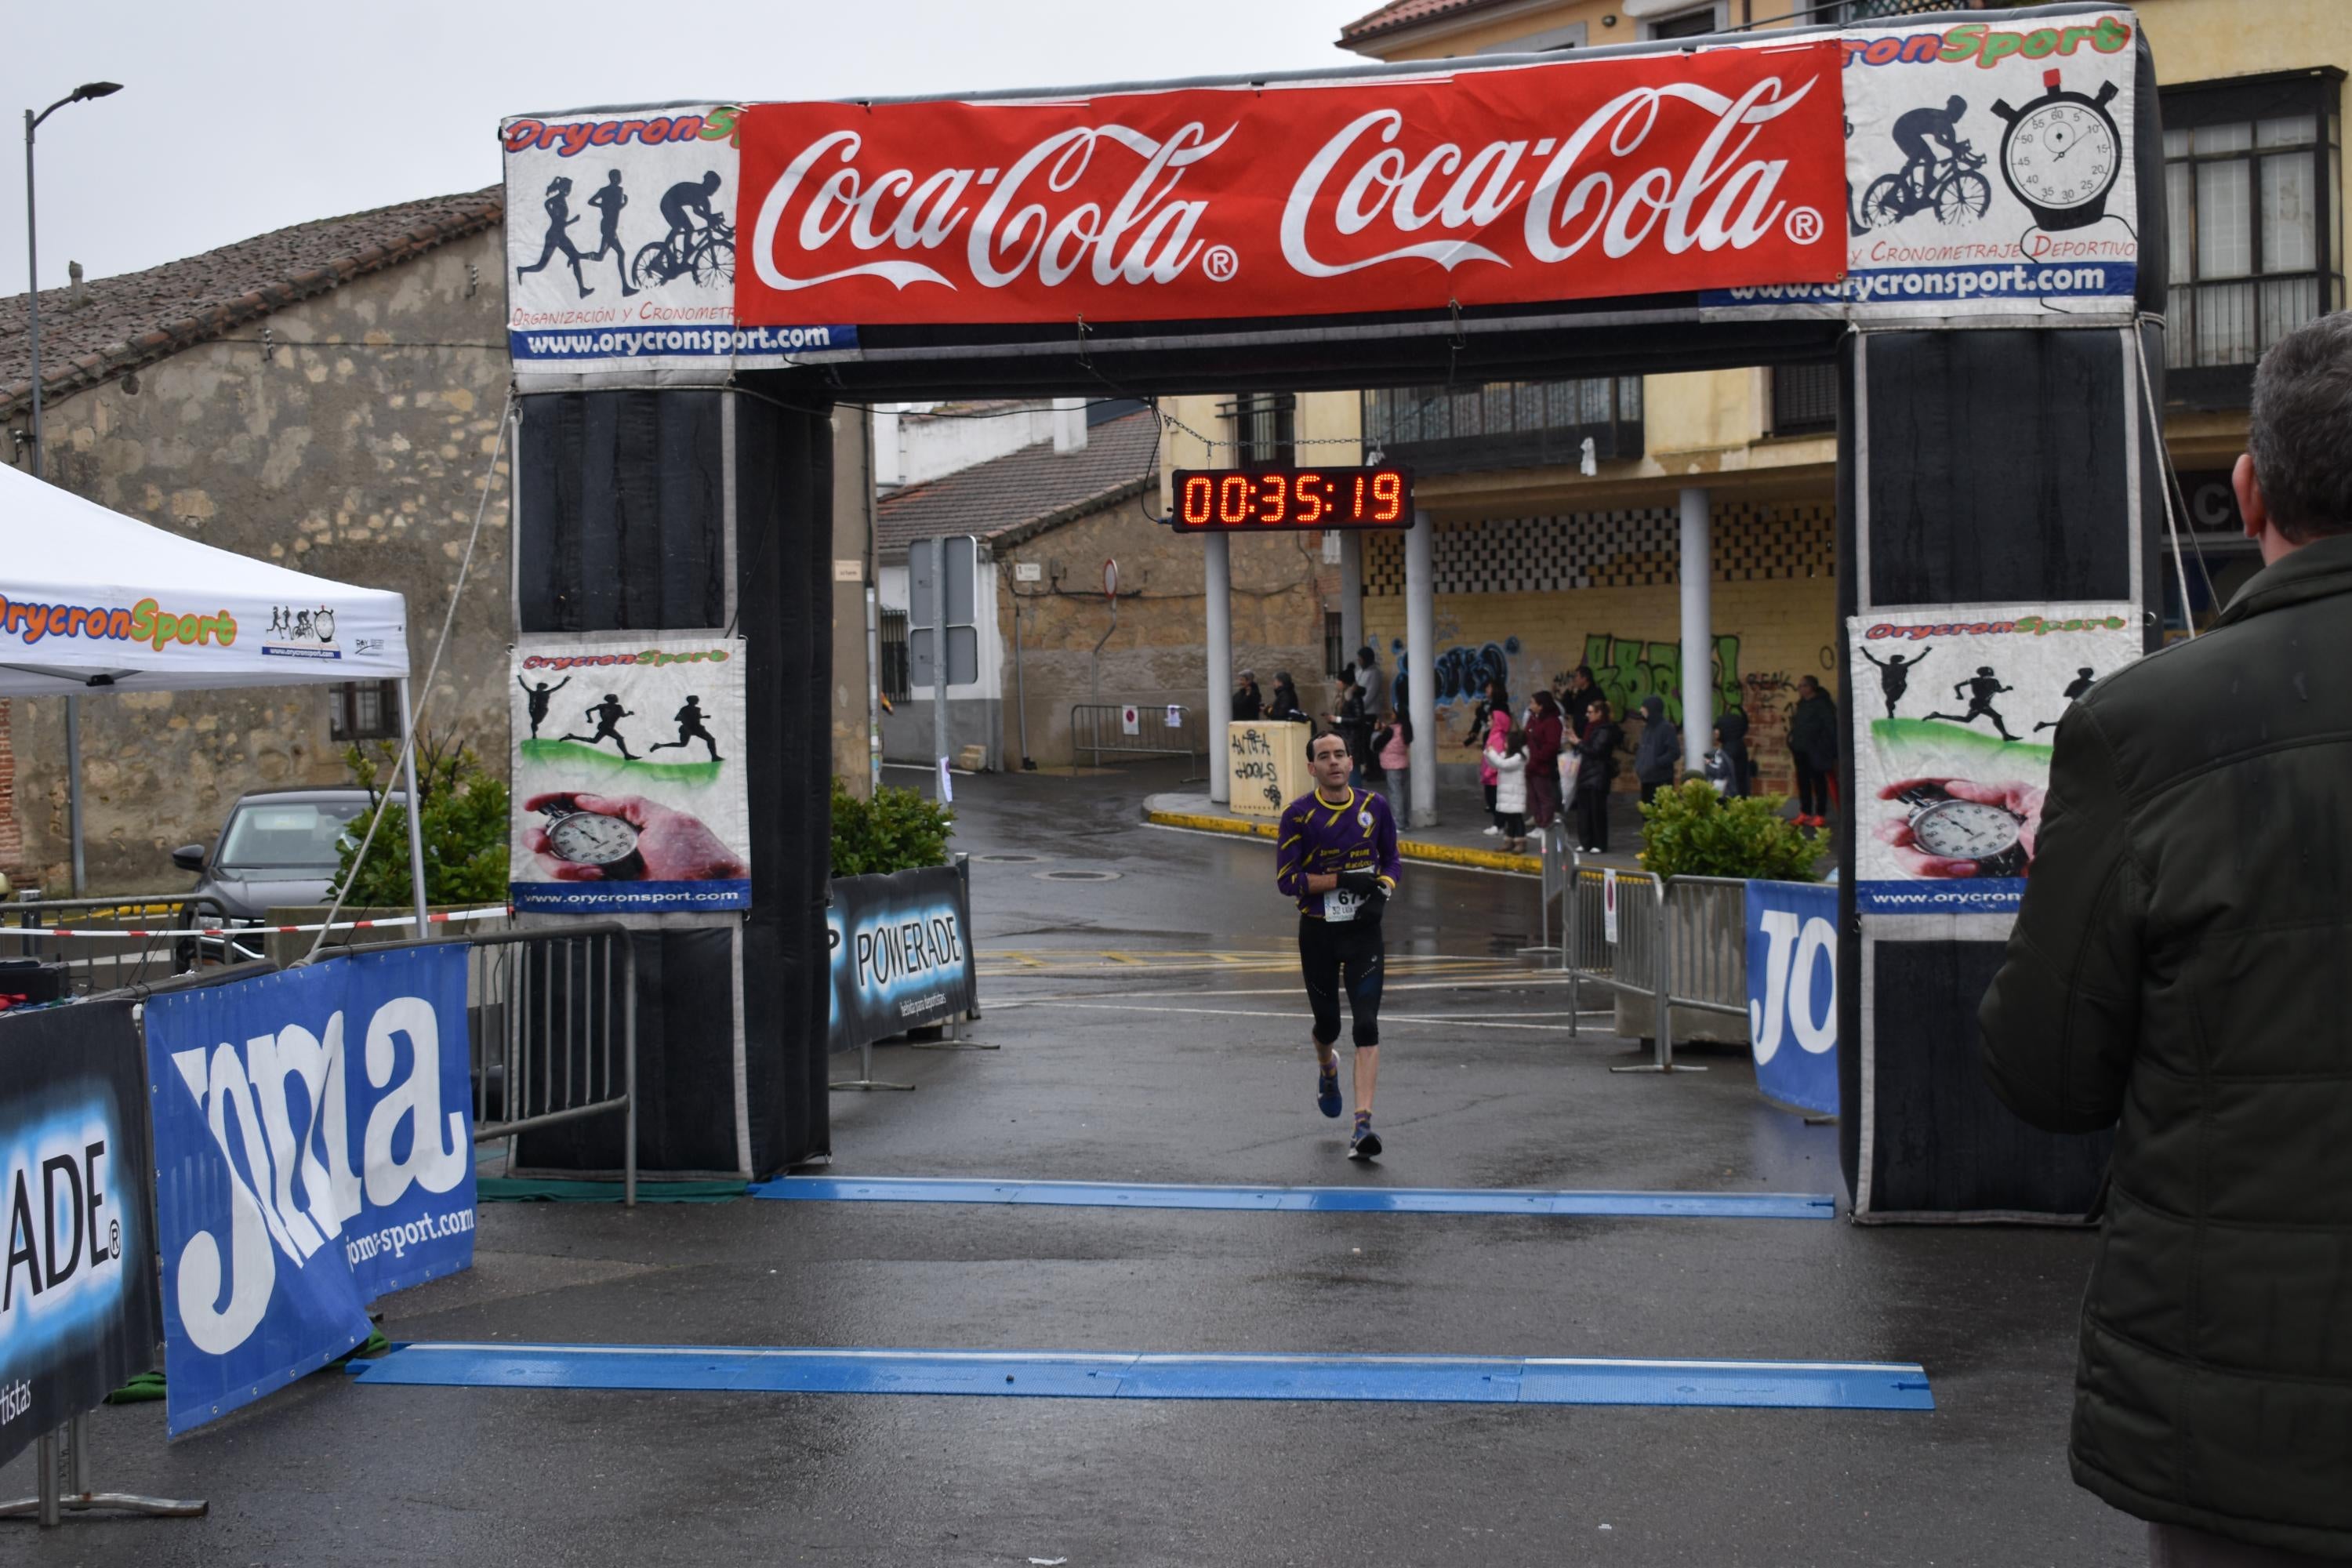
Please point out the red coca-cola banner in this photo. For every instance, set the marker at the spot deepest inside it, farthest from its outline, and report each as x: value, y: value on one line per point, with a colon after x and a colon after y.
x: 1634, y: 175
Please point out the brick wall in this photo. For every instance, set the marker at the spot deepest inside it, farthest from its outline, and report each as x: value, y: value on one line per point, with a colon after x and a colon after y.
x: 1536, y: 596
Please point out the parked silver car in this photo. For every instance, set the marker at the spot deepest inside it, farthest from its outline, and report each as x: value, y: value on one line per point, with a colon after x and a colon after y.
x: 279, y: 847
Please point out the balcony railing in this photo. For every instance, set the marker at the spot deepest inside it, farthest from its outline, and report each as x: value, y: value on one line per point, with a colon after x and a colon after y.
x: 1506, y: 424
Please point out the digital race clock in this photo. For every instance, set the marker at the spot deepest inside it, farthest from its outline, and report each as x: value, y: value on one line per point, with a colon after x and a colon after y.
x: 1217, y: 500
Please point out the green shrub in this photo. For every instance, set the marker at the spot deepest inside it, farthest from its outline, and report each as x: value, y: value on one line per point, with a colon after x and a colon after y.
x: 1689, y: 830
x: 897, y: 830
x: 464, y: 823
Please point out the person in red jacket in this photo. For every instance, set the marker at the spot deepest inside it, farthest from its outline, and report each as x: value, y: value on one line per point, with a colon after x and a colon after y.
x: 1545, y: 732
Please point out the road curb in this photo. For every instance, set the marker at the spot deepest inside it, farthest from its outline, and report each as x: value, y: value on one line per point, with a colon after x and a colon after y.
x: 1408, y: 848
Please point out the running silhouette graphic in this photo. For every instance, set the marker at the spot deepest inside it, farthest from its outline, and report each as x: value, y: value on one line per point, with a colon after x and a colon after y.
x: 607, y: 714
x: 1982, y: 688
x: 608, y: 201
x: 689, y: 728
x: 1894, y: 674
x: 558, y: 208
x: 2074, y: 688
x: 539, y: 698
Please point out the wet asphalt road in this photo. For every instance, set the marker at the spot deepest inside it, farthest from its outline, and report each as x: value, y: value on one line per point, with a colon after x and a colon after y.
x: 1150, y: 1030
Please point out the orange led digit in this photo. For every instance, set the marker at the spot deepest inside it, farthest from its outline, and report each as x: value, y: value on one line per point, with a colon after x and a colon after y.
x: 1213, y: 501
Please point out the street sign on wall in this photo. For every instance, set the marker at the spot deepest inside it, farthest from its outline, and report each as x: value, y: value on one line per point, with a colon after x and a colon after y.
x: 922, y: 614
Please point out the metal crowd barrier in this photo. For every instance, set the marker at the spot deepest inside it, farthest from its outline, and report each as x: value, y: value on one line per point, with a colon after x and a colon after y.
x: 1679, y: 942
x: 1097, y: 729
x: 92, y: 966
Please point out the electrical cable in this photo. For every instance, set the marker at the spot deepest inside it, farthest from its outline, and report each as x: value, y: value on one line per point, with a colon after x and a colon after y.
x: 402, y: 760
x: 2171, y: 486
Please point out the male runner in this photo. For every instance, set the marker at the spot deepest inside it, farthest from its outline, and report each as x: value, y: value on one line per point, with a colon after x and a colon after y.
x: 2074, y: 689
x: 1894, y: 674
x: 538, y: 698
x: 689, y: 728
x: 608, y: 201
x: 1336, y: 853
x: 1982, y: 688
x: 607, y: 714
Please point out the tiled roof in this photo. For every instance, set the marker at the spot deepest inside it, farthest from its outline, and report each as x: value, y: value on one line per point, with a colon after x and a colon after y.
x: 1024, y: 491
x: 1398, y: 14
x: 140, y: 317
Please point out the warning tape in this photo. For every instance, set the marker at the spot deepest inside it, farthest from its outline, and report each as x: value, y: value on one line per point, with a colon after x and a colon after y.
x: 483, y: 914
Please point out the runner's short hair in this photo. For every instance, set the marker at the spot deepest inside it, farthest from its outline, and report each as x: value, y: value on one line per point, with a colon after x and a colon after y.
x: 2300, y: 429
x: 1314, y: 735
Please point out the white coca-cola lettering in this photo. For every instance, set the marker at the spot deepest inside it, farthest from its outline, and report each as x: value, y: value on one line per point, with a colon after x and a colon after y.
x: 1143, y: 237
x: 1621, y: 203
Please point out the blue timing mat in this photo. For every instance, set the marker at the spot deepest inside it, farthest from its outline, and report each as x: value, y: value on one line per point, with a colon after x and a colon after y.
x: 1301, y: 1200
x: 1065, y: 1374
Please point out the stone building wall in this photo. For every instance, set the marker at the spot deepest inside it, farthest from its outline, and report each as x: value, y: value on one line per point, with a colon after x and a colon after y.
x: 353, y: 445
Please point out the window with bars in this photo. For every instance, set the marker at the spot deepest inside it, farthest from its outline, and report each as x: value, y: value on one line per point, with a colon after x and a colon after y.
x: 1336, y: 660
x: 1265, y: 427
x: 1504, y: 423
x: 891, y: 634
x: 363, y: 711
x: 1804, y: 399
x: 2255, y: 244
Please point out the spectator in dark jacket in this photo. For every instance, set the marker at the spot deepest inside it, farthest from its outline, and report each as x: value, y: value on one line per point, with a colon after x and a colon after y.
x: 1285, y: 708
x: 1596, y: 767
x: 1659, y: 750
x: 1813, y: 747
x: 1248, y: 703
x: 1731, y: 738
x: 2177, y: 973
x: 1578, y: 699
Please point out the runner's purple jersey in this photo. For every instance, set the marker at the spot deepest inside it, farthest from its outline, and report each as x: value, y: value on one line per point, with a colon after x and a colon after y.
x: 1318, y: 837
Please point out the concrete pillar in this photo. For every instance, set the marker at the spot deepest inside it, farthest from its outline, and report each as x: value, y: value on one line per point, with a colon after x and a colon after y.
x: 1699, y: 630
x: 1217, y: 571
x: 1352, y: 591
x: 1421, y: 664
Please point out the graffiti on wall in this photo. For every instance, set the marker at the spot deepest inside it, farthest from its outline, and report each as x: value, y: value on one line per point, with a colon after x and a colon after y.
x: 1463, y: 671
x: 1628, y: 670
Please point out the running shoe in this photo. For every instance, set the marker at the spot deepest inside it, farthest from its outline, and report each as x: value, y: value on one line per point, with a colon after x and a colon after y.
x: 1491, y: 832
x: 1366, y: 1144
x: 1326, y: 1089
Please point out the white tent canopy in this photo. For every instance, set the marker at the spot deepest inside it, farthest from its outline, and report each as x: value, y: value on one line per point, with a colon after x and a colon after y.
x: 90, y: 598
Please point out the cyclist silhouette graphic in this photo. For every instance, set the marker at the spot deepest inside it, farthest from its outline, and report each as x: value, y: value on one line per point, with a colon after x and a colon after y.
x: 1912, y: 131
x: 608, y: 201
x: 558, y: 208
x: 1950, y: 187
x: 1982, y: 688
x: 704, y: 251
x: 689, y: 728
x: 1894, y: 674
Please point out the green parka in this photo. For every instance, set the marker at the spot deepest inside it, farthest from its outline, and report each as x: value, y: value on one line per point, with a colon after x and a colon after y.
x: 2182, y: 970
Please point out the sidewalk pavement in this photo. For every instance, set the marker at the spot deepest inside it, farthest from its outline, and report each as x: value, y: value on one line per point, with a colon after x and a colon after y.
x: 1457, y: 840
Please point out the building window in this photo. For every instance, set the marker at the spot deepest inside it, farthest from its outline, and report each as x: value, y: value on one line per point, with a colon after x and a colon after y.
x: 893, y: 672
x: 1804, y: 399
x: 364, y: 711
x: 2255, y: 246
x: 1504, y: 423
x: 1265, y: 427
x: 1337, y: 659
x: 1685, y: 24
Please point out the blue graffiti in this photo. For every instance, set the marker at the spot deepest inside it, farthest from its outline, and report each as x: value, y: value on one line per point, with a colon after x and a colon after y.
x: 1462, y: 673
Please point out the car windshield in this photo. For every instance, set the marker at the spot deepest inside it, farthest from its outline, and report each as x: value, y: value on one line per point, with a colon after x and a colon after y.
x: 300, y: 836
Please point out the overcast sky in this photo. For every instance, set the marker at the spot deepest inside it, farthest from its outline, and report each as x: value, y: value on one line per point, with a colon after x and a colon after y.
x: 241, y: 116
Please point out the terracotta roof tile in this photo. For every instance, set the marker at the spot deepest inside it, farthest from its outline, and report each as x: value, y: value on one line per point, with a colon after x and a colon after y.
x: 1398, y: 14
x: 1021, y: 492
x: 140, y: 317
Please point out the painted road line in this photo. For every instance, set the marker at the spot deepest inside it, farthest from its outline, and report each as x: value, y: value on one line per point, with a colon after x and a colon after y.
x: 1448, y: 1021
x: 1300, y: 1200
x: 1064, y: 1374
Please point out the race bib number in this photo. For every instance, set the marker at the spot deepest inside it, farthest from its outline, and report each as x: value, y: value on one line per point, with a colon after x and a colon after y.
x: 1339, y: 904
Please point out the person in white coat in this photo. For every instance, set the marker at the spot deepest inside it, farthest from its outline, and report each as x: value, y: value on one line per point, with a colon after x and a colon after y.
x: 1510, y: 766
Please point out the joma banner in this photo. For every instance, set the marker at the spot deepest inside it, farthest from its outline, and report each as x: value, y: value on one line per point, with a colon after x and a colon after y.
x: 313, y: 1151
x: 1623, y: 175
x: 78, y: 1316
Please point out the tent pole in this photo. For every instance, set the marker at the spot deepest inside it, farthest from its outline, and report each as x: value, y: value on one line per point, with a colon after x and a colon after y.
x: 73, y: 790
x: 416, y: 808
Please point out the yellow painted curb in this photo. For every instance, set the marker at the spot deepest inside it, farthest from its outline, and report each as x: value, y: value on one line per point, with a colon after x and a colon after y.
x: 1409, y: 848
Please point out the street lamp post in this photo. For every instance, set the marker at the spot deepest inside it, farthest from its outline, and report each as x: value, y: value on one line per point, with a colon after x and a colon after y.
x: 33, y: 330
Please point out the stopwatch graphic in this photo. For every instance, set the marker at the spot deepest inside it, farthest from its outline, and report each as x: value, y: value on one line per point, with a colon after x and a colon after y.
x: 594, y: 838
x: 1954, y: 829
x: 2062, y: 153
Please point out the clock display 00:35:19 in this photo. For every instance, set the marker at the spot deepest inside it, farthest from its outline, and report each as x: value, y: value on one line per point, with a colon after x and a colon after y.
x: 1210, y: 501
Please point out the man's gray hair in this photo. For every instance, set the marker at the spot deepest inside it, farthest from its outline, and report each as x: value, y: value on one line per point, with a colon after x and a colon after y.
x: 2300, y: 431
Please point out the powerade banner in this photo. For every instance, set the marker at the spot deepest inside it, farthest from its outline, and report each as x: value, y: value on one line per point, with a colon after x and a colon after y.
x: 901, y: 953
x: 1988, y: 171
x: 1792, y: 1015
x: 629, y: 791
x: 313, y: 1151
x: 1573, y: 180
x: 78, y: 1314
x: 1951, y: 752
x: 621, y: 243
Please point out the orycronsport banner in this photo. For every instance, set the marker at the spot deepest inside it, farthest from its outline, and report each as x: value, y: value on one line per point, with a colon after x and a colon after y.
x: 1792, y: 1015
x: 78, y: 1314
x: 313, y: 1151
x: 1611, y: 176
x: 902, y: 953
x: 629, y: 791
x: 1951, y: 752
x: 1988, y: 171
x: 621, y: 243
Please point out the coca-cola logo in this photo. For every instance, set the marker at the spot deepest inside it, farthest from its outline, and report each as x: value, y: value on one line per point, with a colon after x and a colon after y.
x: 1553, y: 181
